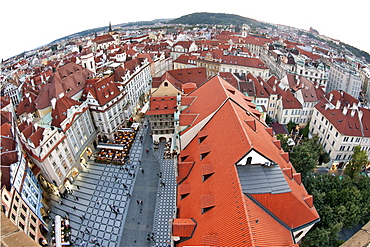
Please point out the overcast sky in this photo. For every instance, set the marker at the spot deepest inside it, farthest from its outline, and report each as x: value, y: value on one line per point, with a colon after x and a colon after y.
x: 26, y: 24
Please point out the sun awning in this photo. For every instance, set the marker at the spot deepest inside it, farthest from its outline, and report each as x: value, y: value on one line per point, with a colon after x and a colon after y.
x: 110, y: 146
x: 145, y: 108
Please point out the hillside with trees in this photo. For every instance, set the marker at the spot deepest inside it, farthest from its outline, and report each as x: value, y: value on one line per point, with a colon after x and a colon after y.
x: 218, y: 19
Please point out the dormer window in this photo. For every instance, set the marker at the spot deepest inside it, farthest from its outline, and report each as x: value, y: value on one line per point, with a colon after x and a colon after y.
x: 166, y: 84
x: 69, y: 89
x: 79, y: 83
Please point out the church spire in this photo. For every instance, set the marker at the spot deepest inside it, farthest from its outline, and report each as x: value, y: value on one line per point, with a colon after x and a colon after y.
x: 110, y: 28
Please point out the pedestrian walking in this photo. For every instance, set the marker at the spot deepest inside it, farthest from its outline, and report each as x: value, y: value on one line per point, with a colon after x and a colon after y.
x: 78, y: 187
x: 147, y: 150
x: 128, y: 194
x: 139, y: 162
x: 137, y: 201
x: 141, y: 202
x: 61, y: 203
x: 142, y: 170
x: 74, y: 207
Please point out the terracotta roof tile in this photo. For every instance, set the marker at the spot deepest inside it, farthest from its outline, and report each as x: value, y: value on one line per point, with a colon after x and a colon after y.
x: 218, y: 205
x: 60, y: 112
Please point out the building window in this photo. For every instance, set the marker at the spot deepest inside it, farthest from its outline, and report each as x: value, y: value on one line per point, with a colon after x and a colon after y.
x: 205, y: 210
x: 23, y: 217
x: 338, y: 157
x: 21, y: 225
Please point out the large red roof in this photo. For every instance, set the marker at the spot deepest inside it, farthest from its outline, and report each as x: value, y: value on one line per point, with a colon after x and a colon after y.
x: 210, y: 192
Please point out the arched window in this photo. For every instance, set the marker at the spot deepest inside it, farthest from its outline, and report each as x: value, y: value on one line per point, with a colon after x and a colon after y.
x: 166, y: 84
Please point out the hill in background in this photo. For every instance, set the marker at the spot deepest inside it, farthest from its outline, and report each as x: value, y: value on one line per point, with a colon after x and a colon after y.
x: 218, y: 19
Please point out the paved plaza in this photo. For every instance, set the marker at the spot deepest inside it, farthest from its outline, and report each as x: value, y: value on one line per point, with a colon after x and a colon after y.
x: 129, y: 205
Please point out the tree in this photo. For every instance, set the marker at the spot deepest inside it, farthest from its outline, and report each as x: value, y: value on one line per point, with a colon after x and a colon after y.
x: 284, y: 142
x: 359, y: 160
x: 341, y: 202
x: 305, y: 130
x: 268, y: 120
x: 291, y: 125
x: 305, y: 156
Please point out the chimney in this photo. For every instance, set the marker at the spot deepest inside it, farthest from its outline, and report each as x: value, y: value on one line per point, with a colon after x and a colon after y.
x: 330, y: 97
x: 353, y: 112
x: 53, y: 102
x: 360, y: 114
x: 337, y: 106
x: 345, y: 110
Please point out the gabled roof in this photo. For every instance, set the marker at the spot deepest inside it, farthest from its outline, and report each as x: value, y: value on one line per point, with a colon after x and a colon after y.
x: 4, y: 101
x: 37, y: 136
x: 343, y: 97
x: 69, y: 80
x: 162, y: 105
x: 26, y: 105
x: 103, y: 89
x: 8, y: 145
x: 103, y: 39
x: 196, y: 75
x: 212, y: 95
x: 289, y: 101
x: 346, y: 121
x: 244, y: 61
x: 60, y: 111
x: 228, y: 217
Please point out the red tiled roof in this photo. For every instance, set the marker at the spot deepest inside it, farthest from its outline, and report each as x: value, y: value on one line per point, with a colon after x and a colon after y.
x: 217, y: 90
x: 280, y: 204
x: 266, y: 230
x: 69, y: 80
x: 4, y: 101
x: 343, y: 97
x: 5, y: 117
x: 196, y: 75
x: 162, y: 105
x: 183, y: 227
x: 103, y: 89
x: 244, y: 61
x: 103, y: 39
x: 289, y: 101
x: 8, y: 145
x: 60, y: 112
x: 217, y: 204
x: 345, y: 124
x: 37, y: 136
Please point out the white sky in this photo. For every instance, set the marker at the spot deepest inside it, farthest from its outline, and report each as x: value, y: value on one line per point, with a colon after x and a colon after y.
x: 26, y: 25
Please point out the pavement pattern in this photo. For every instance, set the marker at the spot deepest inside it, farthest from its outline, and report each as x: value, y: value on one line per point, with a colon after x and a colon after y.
x: 104, y: 206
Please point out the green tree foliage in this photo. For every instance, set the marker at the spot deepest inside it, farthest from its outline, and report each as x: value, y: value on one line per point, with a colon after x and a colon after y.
x: 284, y: 142
x: 359, y: 160
x: 290, y: 126
x: 268, y: 120
x: 218, y: 19
x: 305, y: 156
x: 305, y: 130
x: 340, y: 202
